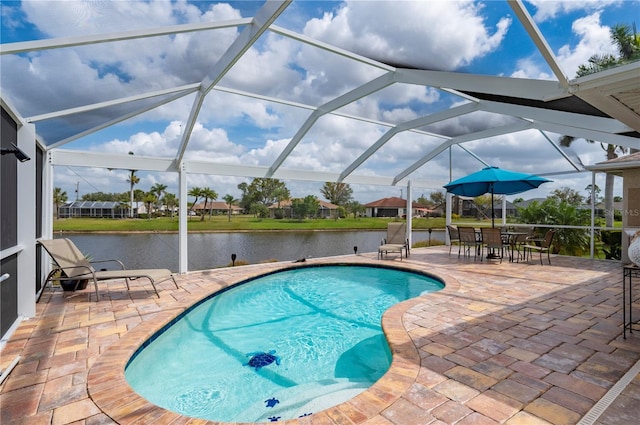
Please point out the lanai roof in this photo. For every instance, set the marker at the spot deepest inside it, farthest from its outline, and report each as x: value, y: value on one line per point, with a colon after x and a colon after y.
x: 603, y: 107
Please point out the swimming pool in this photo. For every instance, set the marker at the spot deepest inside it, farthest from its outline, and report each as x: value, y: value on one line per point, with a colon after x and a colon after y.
x: 281, y: 346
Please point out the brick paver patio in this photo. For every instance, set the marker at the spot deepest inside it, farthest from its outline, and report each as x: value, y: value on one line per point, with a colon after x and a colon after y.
x: 510, y: 343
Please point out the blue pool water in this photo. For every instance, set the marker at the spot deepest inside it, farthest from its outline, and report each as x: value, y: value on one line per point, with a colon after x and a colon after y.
x: 318, y: 329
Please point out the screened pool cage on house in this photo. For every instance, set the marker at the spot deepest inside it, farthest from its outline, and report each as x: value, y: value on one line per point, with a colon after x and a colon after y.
x: 73, y: 119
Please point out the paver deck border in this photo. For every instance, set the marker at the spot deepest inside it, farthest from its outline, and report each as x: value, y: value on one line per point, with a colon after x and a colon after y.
x: 506, y: 343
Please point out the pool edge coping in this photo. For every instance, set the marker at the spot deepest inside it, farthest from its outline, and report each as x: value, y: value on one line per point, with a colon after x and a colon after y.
x: 109, y: 390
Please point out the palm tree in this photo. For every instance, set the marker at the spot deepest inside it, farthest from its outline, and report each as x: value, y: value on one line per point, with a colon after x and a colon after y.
x: 197, y: 192
x: 611, y: 152
x: 59, y: 197
x: 138, y: 196
x: 133, y: 180
x: 626, y: 40
x: 150, y: 198
x: 170, y: 200
x: 230, y: 200
x: 628, y: 43
x: 208, y: 193
x: 158, y: 189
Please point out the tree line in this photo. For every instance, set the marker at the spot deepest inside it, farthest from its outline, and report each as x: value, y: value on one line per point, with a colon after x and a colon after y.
x: 257, y: 196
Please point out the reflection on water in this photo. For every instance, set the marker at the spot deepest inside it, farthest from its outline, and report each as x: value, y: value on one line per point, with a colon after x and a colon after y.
x: 209, y: 250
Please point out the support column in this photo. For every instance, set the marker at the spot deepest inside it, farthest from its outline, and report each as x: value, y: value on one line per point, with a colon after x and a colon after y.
x: 592, y: 232
x: 504, y: 211
x: 409, y: 212
x: 449, y: 201
x: 27, y: 222
x: 182, y: 220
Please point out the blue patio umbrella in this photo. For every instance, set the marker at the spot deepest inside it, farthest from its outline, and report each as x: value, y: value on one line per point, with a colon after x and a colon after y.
x: 494, y: 180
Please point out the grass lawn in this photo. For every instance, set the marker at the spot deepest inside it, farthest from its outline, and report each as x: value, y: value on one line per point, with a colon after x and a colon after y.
x: 221, y: 223
x: 250, y: 223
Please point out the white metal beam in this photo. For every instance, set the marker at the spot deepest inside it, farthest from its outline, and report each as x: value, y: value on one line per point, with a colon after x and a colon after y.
x: 250, y: 171
x: 264, y: 17
x: 598, y: 136
x: 83, y: 40
x: 104, y: 160
x: 476, y: 157
x: 182, y: 90
x: 501, y: 86
x: 541, y: 43
x: 616, y: 78
x: 340, y: 101
x: 419, y: 122
x: 561, y: 152
x: 491, y: 132
x: 333, y: 49
x: 115, y: 121
x: 574, y: 120
x: 613, y: 107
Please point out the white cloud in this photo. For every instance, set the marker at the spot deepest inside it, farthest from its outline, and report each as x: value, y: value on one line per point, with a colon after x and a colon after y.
x: 594, y: 39
x: 546, y: 10
x: 530, y: 68
x: 368, y: 30
x: 276, y: 66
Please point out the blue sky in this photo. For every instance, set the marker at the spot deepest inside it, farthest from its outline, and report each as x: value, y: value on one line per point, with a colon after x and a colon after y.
x: 475, y: 37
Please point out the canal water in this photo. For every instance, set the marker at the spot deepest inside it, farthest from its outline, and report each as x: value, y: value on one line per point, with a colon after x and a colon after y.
x: 210, y: 250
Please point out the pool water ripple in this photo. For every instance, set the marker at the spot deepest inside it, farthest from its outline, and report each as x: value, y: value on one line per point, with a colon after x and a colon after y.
x: 323, y: 324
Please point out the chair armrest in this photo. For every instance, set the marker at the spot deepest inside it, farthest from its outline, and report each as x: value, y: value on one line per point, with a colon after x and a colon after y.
x: 82, y: 275
x: 534, y: 240
x: 120, y: 263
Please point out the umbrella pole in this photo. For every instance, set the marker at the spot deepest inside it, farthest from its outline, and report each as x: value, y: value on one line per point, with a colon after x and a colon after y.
x: 493, y: 215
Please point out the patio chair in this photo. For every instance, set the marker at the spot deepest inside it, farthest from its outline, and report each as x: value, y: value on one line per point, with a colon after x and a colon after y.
x: 454, y: 236
x: 73, y: 265
x: 492, y: 239
x: 517, y: 244
x: 544, y: 246
x: 468, y: 240
x: 397, y: 235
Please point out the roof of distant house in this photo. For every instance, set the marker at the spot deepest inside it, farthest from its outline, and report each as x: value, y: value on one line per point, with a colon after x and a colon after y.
x: 392, y: 202
x: 287, y: 204
x: 215, y: 205
x: 93, y: 204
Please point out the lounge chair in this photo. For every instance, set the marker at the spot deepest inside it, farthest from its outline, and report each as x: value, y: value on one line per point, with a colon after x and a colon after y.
x: 397, y: 236
x: 73, y: 265
x: 544, y: 245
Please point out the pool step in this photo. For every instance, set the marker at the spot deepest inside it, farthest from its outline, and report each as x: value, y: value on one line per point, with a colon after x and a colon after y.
x: 302, y: 400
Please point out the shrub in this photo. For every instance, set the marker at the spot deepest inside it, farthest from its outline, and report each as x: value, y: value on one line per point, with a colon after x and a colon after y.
x: 556, y: 211
x: 612, y: 241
